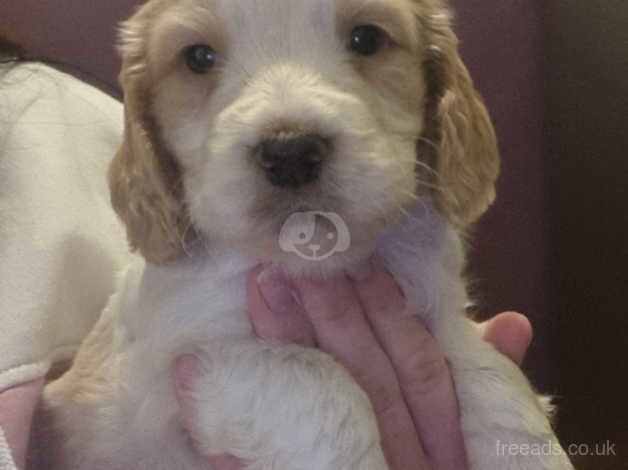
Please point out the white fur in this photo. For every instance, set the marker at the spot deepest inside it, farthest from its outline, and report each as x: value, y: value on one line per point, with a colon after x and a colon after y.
x: 280, y: 407
x: 60, y: 241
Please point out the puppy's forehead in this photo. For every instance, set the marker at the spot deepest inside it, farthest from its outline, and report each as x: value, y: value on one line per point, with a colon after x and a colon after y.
x: 275, y: 25
x: 286, y: 24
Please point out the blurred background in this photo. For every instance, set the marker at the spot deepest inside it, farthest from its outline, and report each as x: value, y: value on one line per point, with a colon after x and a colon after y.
x: 555, y: 245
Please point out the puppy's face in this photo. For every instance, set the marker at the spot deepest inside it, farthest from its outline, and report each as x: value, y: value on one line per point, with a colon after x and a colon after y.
x: 241, y: 113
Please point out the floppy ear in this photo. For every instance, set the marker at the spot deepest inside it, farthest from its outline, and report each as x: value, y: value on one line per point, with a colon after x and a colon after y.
x: 458, y: 130
x: 144, y: 178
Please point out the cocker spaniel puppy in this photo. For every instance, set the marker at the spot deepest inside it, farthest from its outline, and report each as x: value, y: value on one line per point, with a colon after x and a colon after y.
x: 239, y: 115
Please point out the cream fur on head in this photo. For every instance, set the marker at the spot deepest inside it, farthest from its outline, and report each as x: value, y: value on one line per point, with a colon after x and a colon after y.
x: 240, y: 113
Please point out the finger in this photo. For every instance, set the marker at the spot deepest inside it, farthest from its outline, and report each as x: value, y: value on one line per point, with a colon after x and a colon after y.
x: 185, y: 372
x: 420, y: 366
x: 273, y: 309
x: 184, y: 376
x: 510, y: 333
x: 225, y: 462
x: 342, y: 330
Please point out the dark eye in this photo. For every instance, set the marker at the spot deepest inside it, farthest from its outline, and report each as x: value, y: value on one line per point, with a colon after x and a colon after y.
x: 366, y: 39
x: 200, y: 58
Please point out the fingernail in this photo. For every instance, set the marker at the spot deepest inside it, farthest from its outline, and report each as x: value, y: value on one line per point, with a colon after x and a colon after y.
x: 186, y: 372
x: 276, y: 291
x: 361, y: 271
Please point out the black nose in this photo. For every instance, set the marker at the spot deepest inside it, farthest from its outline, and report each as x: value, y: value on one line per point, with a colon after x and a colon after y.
x: 293, y: 161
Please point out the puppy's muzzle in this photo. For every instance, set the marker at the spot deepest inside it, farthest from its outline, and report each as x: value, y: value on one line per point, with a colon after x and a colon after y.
x: 293, y: 161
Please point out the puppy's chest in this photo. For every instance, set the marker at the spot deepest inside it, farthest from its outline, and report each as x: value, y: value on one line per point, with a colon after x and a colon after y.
x: 426, y: 256
x: 203, y: 298
x: 164, y: 311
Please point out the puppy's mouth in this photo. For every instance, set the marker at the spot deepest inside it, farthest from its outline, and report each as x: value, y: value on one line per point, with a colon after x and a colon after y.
x: 276, y: 205
x: 278, y: 220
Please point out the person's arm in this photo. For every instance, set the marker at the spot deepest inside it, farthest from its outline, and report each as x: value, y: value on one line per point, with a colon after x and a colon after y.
x: 391, y: 355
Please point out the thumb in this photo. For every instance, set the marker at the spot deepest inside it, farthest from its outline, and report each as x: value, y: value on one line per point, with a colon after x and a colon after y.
x: 510, y: 333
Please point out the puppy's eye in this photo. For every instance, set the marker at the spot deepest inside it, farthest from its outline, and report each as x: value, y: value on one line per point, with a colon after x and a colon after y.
x: 200, y: 58
x: 366, y: 39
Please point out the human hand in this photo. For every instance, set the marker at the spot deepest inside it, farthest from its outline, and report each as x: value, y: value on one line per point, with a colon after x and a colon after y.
x: 391, y: 355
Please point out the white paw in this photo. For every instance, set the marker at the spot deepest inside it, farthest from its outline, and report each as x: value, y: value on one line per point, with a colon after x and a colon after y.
x: 285, y: 407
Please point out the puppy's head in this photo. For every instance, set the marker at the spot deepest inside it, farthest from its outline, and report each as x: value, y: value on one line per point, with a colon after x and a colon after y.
x: 240, y: 113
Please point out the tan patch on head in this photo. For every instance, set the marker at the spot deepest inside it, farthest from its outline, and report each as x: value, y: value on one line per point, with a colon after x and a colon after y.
x: 393, y: 17
x: 420, y: 68
x: 395, y: 70
x: 179, y: 94
x: 183, y: 25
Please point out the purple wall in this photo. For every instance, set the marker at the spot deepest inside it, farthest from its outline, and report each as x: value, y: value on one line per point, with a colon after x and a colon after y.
x: 501, y: 43
x: 79, y: 32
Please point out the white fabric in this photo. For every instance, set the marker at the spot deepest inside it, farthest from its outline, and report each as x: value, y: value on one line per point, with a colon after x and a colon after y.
x: 6, y: 460
x: 60, y: 242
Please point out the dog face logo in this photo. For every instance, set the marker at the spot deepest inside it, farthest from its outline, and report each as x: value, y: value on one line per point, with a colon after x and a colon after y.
x: 314, y: 235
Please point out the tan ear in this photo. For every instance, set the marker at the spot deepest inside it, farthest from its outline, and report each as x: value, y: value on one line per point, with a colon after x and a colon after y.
x: 458, y: 128
x: 144, y: 178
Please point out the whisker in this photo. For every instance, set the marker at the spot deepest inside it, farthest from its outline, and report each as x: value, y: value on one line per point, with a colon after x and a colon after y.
x: 429, y: 142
